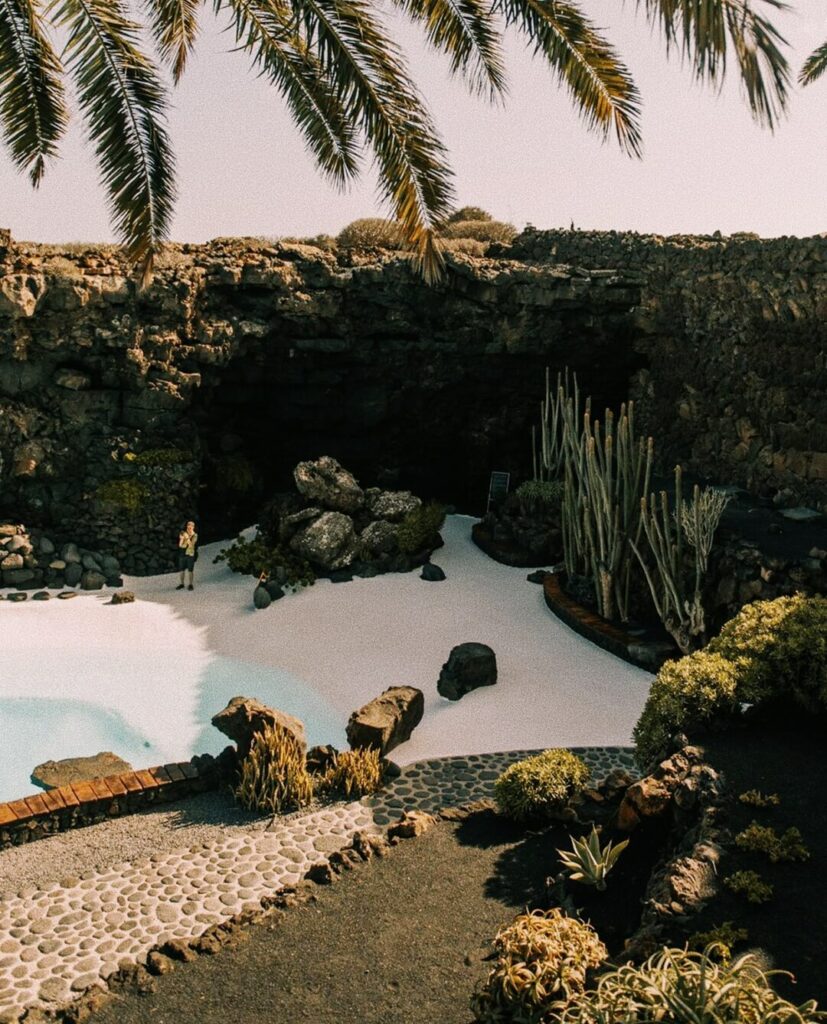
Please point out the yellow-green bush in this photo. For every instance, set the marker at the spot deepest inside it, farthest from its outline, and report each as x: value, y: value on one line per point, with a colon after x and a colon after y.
x: 273, y: 777
x: 780, y: 650
x: 480, y: 230
x: 539, y: 787
x: 675, y: 986
x: 371, y: 233
x: 129, y: 495
x: 543, y: 962
x: 686, y: 694
x: 757, y: 838
x: 468, y: 213
x: 750, y: 885
x: 419, y: 530
x: 354, y: 773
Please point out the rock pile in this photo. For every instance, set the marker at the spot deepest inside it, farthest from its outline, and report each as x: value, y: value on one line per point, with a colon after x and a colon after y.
x: 30, y: 560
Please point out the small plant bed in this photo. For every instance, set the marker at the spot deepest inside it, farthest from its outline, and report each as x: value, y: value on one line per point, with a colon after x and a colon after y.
x: 772, y: 873
x: 649, y: 648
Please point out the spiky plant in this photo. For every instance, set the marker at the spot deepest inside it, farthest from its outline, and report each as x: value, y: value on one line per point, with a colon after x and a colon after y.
x: 273, y: 778
x: 346, y: 83
x: 353, y: 774
x: 589, y: 862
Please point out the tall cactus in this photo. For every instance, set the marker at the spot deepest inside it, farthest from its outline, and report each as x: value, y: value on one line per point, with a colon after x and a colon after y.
x: 670, y: 533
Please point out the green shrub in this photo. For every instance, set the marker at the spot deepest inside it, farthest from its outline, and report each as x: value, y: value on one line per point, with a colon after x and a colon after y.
x: 538, y: 788
x: 419, y: 530
x: 757, y: 838
x: 539, y: 496
x: 469, y: 246
x: 755, y: 798
x: 129, y: 495
x: 354, y: 774
x: 273, y: 778
x: 256, y: 557
x: 371, y: 233
x: 750, y: 885
x: 686, y: 694
x: 469, y: 213
x: 723, y: 938
x: 675, y: 986
x: 780, y: 650
x: 543, y: 962
x: 481, y: 230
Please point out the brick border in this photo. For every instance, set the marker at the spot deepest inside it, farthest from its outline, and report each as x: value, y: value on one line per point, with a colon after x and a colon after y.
x: 85, y: 803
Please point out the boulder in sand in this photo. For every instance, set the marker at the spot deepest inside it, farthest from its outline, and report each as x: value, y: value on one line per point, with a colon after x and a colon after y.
x: 243, y: 717
x: 329, y: 542
x: 52, y: 774
x: 468, y: 666
x: 330, y: 484
x: 387, y: 720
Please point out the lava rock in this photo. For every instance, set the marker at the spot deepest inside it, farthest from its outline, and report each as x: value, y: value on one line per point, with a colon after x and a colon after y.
x: 52, y: 774
x: 91, y: 579
x: 379, y: 538
x: 329, y: 542
x: 243, y: 717
x: 73, y: 573
x: 468, y: 667
x: 432, y: 572
x: 41, y: 595
x: 274, y: 589
x: 330, y: 484
x: 387, y: 720
x: 123, y: 597
x: 392, y: 506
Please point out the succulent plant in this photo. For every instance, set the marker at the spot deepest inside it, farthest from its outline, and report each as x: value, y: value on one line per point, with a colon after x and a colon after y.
x: 589, y: 862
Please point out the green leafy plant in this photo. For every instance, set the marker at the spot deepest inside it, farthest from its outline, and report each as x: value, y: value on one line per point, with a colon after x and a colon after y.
x: 755, y: 798
x: 539, y: 787
x: 419, y: 530
x: 129, y: 495
x: 544, y: 960
x: 750, y: 885
x: 273, y: 777
x: 686, y: 694
x: 720, y: 940
x: 589, y: 862
x: 676, y: 986
x: 538, y: 496
x: 757, y: 838
x: 256, y: 558
x: 354, y: 773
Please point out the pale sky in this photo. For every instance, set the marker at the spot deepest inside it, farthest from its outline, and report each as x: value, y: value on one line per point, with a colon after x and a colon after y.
x: 243, y: 169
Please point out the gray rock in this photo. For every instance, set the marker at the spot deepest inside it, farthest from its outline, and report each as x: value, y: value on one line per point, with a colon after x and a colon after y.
x: 325, y: 481
x: 17, y: 577
x: 328, y: 543
x: 45, y: 546
x: 92, y: 580
x: 57, y: 564
x: 70, y: 553
x: 379, y: 538
x: 800, y: 515
x: 41, y: 595
x: 387, y: 720
x: 432, y: 572
x: 73, y: 573
x: 110, y: 566
x: 261, y: 598
x: 468, y: 666
x: 66, y: 594
x: 392, y: 505
x: 52, y: 774
x: 90, y: 562
x: 16, y: 597
x: 243, y: 717
x: 290, y: 525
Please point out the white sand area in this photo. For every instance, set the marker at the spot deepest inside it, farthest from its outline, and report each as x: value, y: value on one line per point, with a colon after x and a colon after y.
x: 143, y: 679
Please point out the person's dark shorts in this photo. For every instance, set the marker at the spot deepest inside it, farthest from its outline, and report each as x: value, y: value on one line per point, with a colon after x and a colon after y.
x: 186, y: 562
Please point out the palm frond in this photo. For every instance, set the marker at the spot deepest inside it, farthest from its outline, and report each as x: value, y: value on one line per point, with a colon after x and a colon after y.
x: 373, y: 84
x: 464, y: 30
x: 704, y: 31
x: 33, y: 113
x: 263, y: 31
x: 124, y: 105
x: 814, y: 66
x: 175, y: 25
x: 598, y: 81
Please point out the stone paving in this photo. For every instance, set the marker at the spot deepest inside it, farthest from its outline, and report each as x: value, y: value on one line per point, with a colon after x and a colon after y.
x: 61, y: 939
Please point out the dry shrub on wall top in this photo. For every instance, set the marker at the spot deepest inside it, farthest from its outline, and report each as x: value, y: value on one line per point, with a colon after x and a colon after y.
x: 481, y: 230
x: 371, y: 233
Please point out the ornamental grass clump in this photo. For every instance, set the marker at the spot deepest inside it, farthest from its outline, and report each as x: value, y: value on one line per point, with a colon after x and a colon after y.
x: 354, y: 773
x: 676, y: 986
x: 538, y: 788
x: 686, y: 694
x: 544, y: 960
x: 273, y: 777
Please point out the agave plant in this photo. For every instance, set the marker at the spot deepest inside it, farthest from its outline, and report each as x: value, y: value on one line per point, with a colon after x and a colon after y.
x: 589, y: 862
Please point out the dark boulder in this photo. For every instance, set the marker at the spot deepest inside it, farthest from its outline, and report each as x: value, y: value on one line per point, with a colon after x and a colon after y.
x: 387, y: 720
x: 432, y: 572
x: 468, y: 666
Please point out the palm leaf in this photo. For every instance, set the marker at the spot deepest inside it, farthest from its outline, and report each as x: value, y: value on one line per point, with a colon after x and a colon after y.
x: 280, y: 54
x: 705, y: 30
x: 379, y: 97
x: 124, y: 105
x: 175, y: 26
x: 814, y: 66
x: 463, y: 29
x: 33, y: 113
x: 598, y: 82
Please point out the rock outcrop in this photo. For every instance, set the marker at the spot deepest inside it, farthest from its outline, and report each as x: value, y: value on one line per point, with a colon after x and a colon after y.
x: 387, y: 720
x: 243, y: 717
x: 468, y: 667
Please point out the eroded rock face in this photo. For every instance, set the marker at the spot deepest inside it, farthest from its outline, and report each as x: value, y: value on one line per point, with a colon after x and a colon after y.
x: 243, y: 717
x: 468, y: 667
x: 391, y: 505
x: 52, y: 774
x: 330, y: 484
x: 329, y: 542
x: 388, y: 720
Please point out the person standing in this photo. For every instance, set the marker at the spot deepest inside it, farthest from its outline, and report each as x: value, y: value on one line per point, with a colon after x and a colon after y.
x: 187, y: 553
